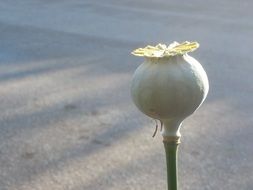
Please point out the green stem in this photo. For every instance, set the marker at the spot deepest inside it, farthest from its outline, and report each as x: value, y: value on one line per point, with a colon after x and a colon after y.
x: 171, y: 160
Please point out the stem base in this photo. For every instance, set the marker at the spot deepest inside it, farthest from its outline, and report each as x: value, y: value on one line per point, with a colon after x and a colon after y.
x: 171, y: 147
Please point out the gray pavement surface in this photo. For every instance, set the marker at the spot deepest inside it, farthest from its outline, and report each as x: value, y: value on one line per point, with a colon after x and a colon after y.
x: 67, y: 121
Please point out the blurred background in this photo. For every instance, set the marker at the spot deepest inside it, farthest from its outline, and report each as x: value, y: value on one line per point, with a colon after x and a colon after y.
x: 67, y: 121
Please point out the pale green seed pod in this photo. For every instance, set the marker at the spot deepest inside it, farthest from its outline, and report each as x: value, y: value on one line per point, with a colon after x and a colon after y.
x: 169, y: 88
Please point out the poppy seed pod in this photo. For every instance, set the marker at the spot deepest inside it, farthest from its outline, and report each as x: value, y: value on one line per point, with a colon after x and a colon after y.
x: 169, y: 85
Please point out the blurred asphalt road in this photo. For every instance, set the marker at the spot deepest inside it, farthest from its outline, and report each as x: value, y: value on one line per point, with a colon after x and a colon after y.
x: 67, y: 121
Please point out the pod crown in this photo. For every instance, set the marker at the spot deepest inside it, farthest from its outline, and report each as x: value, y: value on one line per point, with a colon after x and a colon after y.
x: 161, y: 50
